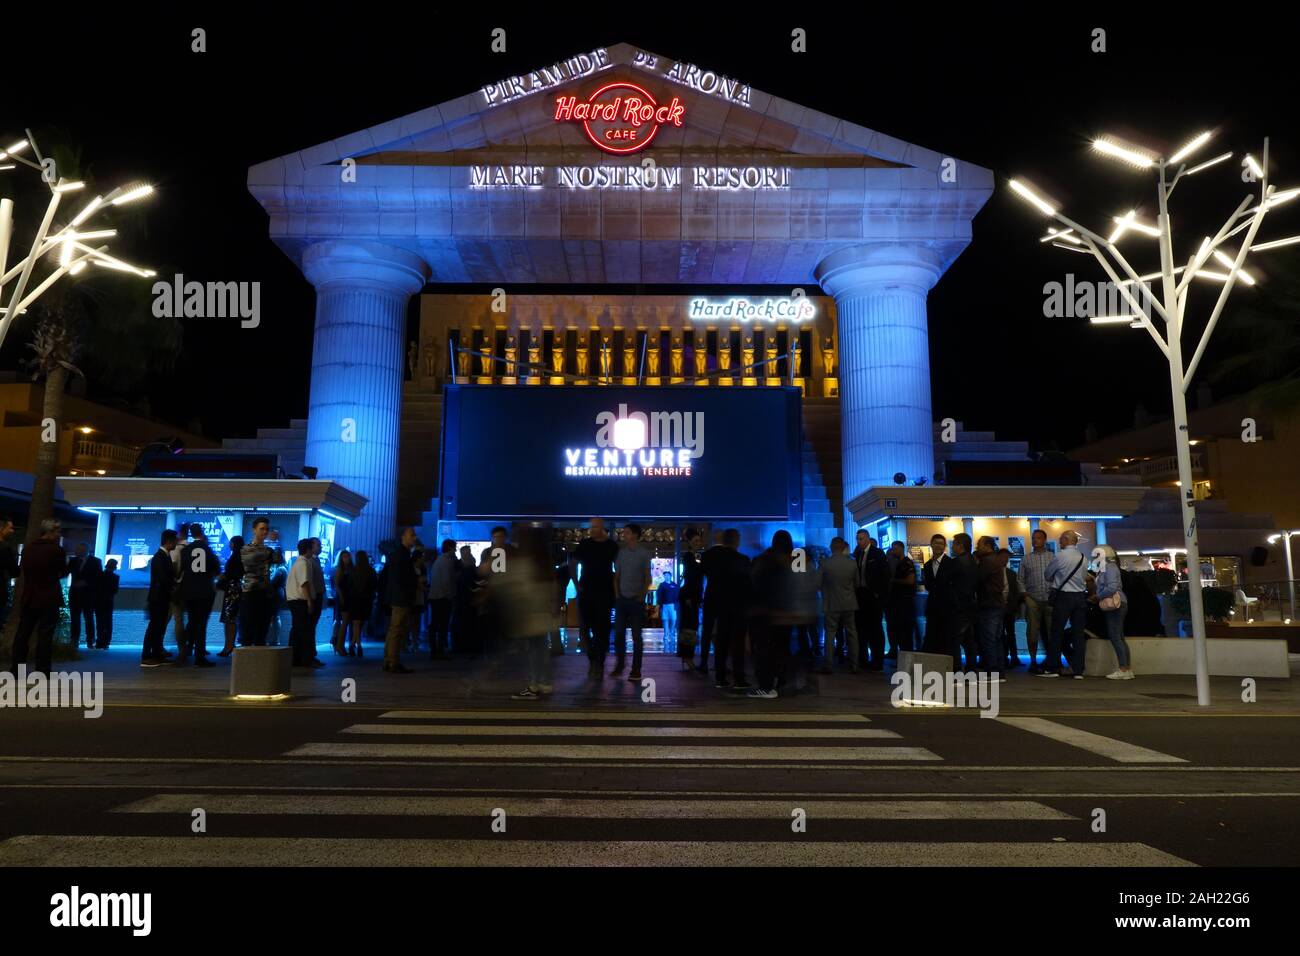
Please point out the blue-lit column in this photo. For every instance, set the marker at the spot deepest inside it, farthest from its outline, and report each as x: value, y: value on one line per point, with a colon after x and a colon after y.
x: 885, y: 420
x: 354, y: 410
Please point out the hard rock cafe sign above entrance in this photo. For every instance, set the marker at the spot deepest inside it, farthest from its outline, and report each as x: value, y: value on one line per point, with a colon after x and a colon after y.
x: 620, y: 117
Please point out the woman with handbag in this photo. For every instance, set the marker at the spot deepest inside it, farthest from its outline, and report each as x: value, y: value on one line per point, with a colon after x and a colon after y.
x: 1113, y: 605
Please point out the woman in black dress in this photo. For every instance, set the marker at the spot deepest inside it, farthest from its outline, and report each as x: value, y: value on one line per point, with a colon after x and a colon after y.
x: 344, y: 599
x: 361, y: 602
x: 232, y: 586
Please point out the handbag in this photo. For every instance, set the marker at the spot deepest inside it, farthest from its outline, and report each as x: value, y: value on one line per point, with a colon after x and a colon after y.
x: 1111, y: 602
x: 1055, y: 592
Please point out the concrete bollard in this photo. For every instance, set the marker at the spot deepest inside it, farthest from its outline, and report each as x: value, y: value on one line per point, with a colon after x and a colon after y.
x: 261, y: 673
x: 907, y: 661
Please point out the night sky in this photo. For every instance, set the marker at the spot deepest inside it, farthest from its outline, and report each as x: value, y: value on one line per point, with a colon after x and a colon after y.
x: 1022, y: 96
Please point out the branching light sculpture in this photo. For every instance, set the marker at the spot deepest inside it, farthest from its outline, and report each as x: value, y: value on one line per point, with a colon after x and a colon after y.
x: 1170, y: 305
x: 67, y: 243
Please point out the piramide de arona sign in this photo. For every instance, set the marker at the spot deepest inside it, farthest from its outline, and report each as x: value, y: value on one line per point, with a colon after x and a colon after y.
x: 620, y: 117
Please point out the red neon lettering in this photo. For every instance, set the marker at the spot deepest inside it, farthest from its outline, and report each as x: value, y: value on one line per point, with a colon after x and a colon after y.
x: 564, y: 106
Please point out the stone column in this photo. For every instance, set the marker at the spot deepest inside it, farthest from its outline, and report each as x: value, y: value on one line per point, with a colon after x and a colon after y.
x: 884, y: 361
x: 358, y: 354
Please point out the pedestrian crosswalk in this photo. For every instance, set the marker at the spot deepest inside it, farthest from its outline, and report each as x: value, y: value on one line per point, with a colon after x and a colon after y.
x: 754, y: 819
x: 649, y: 736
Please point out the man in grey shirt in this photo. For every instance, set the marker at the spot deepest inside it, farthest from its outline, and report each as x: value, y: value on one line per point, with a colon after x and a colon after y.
x: 631, y: 585
x: 840, y: 604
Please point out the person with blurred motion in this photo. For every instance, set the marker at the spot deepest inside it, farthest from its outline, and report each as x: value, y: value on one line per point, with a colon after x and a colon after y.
x: 631, y: 583
x: 991, y: 607
x: 106, y: 588
x: 162, y: 582
x: 199, y: 569
x: 839, y: 574
x: 775, y: 611
x: 43, y: 567
x: 525, y: 591
x: 592, y: 567
x: 232, y: 593
x: 1015, y: 599
x: 415, y: 617
x: 400, y: 596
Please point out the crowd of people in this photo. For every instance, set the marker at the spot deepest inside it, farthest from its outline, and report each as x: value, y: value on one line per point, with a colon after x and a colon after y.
x: 853, y: 610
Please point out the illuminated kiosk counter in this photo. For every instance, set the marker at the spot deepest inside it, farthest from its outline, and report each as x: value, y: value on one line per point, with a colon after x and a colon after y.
x: 131, y: 514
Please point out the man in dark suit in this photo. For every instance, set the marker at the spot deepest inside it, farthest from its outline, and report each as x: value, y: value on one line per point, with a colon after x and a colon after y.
x: 44, y: 564
x: 84, y: 570
x: 965, y: 603
x: 871, y: 589
x: 199, y: 567
x: 162, y: 579
x: 937, y: 575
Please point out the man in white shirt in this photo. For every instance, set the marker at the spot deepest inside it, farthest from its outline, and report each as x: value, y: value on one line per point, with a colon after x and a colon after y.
x: 1067, y: 577
x: 301, y: 597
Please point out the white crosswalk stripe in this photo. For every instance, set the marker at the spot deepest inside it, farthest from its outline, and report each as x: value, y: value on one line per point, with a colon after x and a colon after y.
x: 85, y: 851
x: 652, y: 736
x: 650, y: 808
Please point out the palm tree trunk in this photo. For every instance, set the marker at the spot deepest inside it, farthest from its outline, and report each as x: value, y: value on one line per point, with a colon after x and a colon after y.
x: 43, y: 480
x: 47, y: 455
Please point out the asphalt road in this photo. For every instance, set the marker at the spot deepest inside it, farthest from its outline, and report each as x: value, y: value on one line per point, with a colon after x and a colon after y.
x: 523, y: 784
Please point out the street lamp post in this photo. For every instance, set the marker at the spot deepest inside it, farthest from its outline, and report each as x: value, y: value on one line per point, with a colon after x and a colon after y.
x: 1285, y: 537
x: 1170, y: 305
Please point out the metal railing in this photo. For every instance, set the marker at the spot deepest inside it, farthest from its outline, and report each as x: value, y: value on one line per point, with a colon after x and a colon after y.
x: 601, y: 378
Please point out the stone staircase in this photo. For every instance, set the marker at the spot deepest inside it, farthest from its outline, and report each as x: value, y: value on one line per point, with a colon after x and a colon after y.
x: 289, y: 443
x: 823, y: 491
x: 421, y: 438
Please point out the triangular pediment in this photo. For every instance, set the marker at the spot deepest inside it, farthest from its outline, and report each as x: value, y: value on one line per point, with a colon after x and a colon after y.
x: 512, y: 120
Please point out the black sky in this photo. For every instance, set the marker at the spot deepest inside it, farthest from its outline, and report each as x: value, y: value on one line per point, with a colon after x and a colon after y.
x: 1020, y: 93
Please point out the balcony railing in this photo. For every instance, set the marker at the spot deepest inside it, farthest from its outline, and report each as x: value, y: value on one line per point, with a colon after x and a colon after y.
x: 1155, y: 470
x: 91, y: 456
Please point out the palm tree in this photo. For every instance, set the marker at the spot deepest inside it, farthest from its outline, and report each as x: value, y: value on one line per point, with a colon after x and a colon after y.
x: 54, y: 348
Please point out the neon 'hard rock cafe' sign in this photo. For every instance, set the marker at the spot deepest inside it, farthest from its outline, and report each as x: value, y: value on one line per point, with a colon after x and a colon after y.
x: 620, y: 117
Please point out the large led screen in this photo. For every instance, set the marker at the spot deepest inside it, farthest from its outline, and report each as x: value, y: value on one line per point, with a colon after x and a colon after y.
x: 518, y: 451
